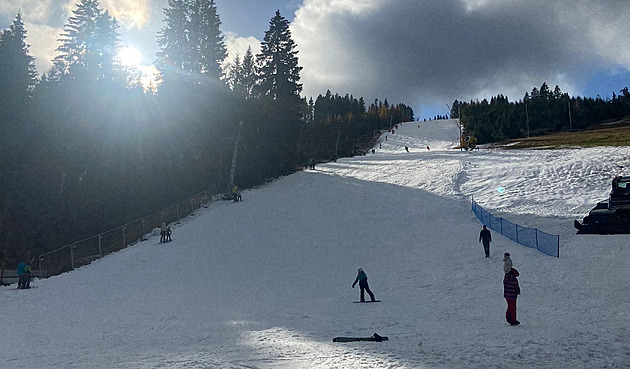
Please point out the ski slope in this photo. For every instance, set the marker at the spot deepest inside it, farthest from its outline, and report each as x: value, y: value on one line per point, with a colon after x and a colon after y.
x: 266, y: 283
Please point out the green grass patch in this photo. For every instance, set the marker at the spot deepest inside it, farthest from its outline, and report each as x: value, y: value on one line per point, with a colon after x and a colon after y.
x: 606, y: 134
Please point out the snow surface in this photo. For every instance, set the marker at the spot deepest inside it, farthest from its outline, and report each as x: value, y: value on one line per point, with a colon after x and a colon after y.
x: 266, y: 283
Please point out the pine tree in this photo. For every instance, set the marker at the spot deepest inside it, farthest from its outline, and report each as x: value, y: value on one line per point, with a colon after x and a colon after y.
x: 191, y: 42
x: 18, y: 76
x: 89, y: 45
x: 207, y: 38
x: 235, y: 75
x: 173, y: 39
x: 249, y: 73
x: 279, y: 71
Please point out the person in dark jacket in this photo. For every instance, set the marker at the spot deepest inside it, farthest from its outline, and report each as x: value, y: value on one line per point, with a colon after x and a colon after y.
x: 485, y: 237
x: 363, y: 284
x: 163, y: 232
x: 511, y: 290
x: 168, y: 234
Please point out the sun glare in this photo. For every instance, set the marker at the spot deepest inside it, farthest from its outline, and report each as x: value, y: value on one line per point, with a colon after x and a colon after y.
x: 129, y: 56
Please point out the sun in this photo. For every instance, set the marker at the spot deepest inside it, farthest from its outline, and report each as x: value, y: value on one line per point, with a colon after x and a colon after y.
x: 129, y: 56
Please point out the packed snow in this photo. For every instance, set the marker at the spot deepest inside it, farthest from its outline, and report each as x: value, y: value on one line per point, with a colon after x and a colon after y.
x: 266, y: 283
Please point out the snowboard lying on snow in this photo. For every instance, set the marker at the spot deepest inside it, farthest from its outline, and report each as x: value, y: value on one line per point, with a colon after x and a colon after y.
x: 375, y: 337
x: 361, y: 302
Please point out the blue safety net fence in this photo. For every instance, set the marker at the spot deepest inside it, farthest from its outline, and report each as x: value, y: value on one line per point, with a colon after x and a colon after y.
x: 534, y: 238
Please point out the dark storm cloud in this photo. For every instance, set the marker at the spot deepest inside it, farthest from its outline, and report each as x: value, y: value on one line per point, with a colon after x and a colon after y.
x: 430, y: 52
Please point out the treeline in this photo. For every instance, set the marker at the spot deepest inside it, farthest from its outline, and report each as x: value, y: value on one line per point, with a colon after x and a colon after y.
x: 540, y: 112
x: 345, y: 126
x: 91, y: 144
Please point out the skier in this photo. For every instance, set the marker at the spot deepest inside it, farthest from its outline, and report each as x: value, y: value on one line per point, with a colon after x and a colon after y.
x: 168, y: 234
x: 23, y: 272
x: 163, y: 232
x: 406, y: 149
x: 311, y: 164
x: 27, y: 276
x: 507, y: 263
x: 511, y: 290
x: 239, y: 196
x: 363, y: 284
x: 486, y: 237
x: 235, y: 193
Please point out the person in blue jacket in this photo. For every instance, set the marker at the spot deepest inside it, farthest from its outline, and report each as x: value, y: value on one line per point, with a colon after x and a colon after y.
x: 363, y: 284
x: 24, y: 274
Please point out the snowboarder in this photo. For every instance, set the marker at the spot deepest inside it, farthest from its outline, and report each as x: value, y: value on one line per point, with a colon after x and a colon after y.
x: 168, y: 234
x: 406, y: 149
x: 311, y: 164
x: 486, y: 237
x: 24, y: 274
x: 507, y: 263
x: 511, y: 290
x: 239, y: 195
x: 163, y: 232
x: 363, y: 284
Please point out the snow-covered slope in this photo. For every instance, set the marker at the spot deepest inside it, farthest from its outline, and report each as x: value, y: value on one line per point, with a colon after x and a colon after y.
x: 266, y: 283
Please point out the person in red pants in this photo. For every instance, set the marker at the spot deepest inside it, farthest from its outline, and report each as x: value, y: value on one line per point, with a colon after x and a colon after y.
x: 511, y: 290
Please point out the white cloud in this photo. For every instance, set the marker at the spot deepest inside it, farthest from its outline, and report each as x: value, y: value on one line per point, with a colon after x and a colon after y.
x: 36, y: 11
x: 434, y: 51
x: 238, y: 45
x: 129, y: 13
x: 43, y: 41
x: 235, y: 44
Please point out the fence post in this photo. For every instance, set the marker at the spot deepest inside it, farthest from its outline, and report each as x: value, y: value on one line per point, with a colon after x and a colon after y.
x: 537, y: 240
x: 177, y: 212
x: 516, y: 233
x: 100, y: 248
x: 501, y: 225
x: 558, y: 246
x: 143, y: 232
x: 72, y: 256
x: 123, y: 235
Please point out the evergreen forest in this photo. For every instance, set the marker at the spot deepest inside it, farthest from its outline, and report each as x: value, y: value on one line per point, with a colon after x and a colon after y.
x: 88, y: 146
x: 540, y: 112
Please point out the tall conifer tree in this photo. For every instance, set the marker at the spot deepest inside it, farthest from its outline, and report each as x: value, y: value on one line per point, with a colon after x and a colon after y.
x: 18, y: 75
x: 249, y: 73
x: 279, y: 71
x: 89, y: 45
x: 209, y: 40
x: 191, y: 42
x: 235, y: 75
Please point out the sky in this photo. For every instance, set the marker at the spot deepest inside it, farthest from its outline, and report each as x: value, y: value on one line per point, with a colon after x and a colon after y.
x: 267, y: 282
x: 424, y: 53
